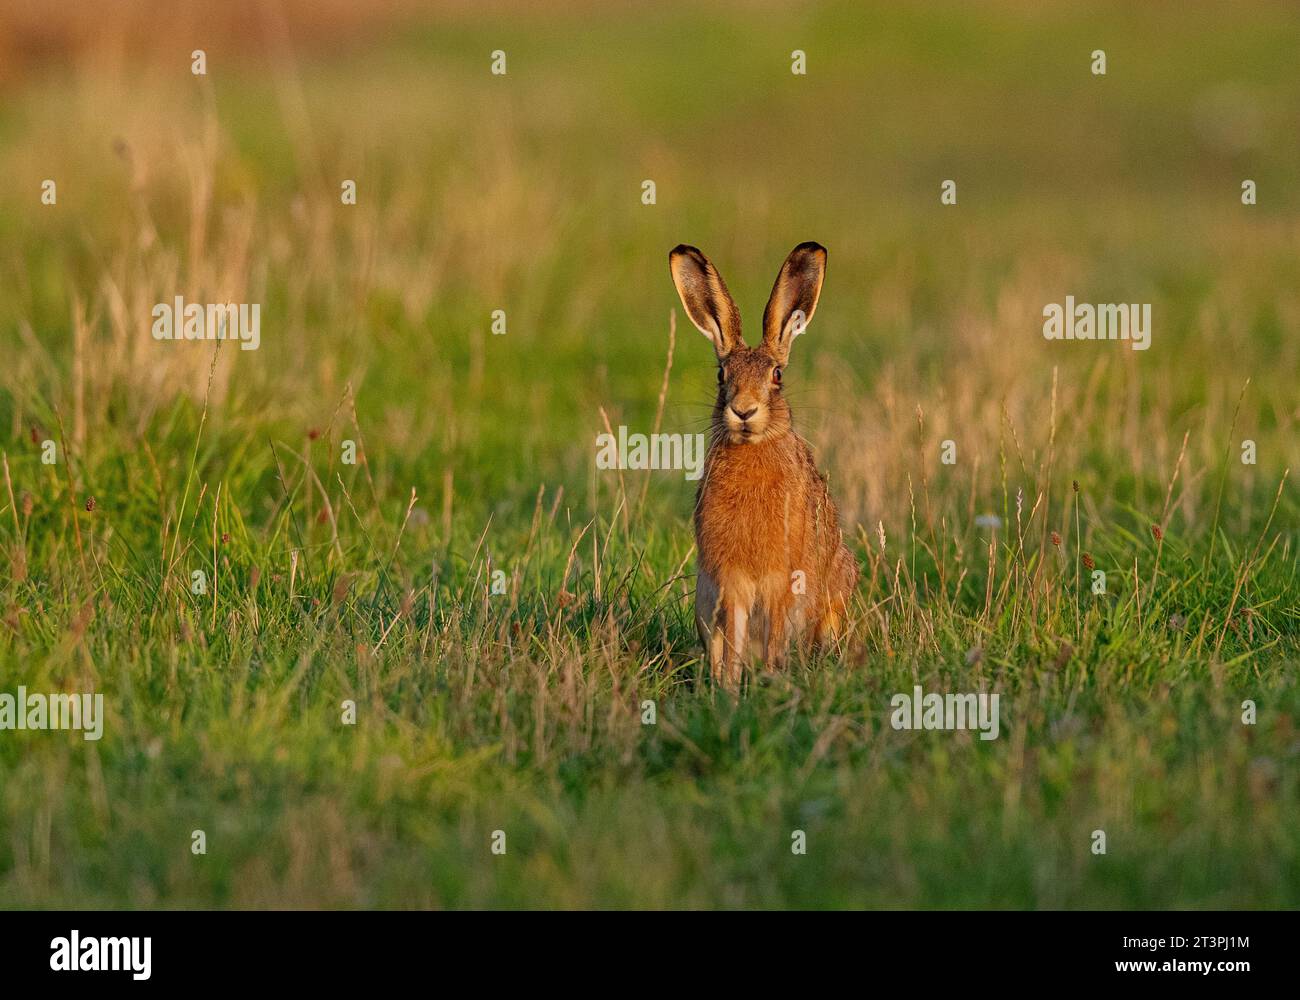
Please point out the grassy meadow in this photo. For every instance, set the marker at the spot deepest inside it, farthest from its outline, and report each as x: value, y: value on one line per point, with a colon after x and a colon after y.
x: 521, y: 711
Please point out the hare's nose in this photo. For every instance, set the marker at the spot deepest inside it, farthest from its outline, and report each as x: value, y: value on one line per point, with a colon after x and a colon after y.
x: 746, y: 414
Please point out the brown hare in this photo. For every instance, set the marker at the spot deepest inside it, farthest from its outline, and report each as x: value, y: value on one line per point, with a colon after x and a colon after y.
x: 772, y: 564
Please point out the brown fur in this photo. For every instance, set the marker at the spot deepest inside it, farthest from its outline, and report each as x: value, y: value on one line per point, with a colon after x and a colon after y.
x: 763, y: 511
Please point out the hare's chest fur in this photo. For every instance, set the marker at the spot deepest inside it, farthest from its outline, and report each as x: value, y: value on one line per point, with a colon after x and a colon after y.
x: 752, y: 510
x: 751, y: 530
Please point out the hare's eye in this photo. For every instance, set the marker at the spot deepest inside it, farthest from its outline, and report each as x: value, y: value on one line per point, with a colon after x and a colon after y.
x: 720, y: 376
x: 776, y: 376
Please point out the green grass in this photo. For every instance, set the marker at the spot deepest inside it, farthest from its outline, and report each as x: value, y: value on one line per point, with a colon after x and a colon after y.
x: 522, y: 711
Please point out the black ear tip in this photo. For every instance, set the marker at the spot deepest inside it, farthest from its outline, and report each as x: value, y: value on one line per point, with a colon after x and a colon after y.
x: 684, y: 249
x: 811, y: 247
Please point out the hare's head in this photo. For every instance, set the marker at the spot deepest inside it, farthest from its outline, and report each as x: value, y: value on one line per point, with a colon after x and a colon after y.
x: 750, y: 406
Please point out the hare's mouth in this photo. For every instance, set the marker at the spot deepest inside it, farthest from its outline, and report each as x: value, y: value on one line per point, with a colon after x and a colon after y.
x: 745, y: 423
x: 748, y: 432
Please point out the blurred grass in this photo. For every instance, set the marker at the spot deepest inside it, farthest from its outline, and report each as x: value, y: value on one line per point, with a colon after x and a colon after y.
x: 522, y: 711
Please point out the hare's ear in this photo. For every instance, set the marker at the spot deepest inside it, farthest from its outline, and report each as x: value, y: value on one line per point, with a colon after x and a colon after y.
x: 705, y: 296
x: 794, y: 298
